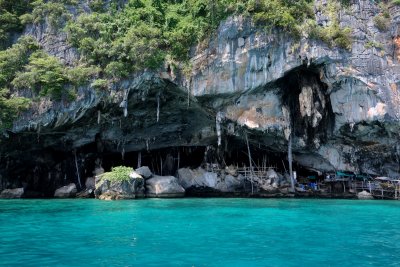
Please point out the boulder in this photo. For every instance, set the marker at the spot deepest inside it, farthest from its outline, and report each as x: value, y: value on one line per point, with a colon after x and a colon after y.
x: 12, y: 193
x: 230, y: 183
x: 201, y: 179
x: 364, y: 195
x: 130, y: 188
x: 272, y: 174
x: 98, y: 171
x: 144, y: 171
x: 164, y: 186
x: 88, y: 193
x: 231, y: 170
x: 66, y: 191
x: 90, y: 183
x: 197, y: 178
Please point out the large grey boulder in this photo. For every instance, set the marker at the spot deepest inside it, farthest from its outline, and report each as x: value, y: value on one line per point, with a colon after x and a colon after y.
x: 144, y: 171
x: 12, y: 193
x: 90, y: 183
x: 164, y: 186
x: 230, y: 183
x: 364, y: 195
x: 66, y: 191
x: 130, y: 187
x: 200, y: 178
x: 197, y: 178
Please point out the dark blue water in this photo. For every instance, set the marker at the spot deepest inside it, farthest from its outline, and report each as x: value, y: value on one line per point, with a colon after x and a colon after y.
x: 199, y: 232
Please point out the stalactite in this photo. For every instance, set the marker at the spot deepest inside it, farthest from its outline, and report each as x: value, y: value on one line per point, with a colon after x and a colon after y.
x: 218, y: 121
x: 98, y: 116
x: 124, y: 103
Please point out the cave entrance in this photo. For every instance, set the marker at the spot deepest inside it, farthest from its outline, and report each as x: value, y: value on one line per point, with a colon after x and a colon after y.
x: 165, y: 161
x: 307, y: 98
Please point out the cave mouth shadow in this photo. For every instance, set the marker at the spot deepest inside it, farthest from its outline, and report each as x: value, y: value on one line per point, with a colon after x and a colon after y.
x: 307, y: 98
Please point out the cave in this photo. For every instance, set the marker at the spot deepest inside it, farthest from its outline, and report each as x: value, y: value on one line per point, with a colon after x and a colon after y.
x: 177, y: 138
x: 307, y: 98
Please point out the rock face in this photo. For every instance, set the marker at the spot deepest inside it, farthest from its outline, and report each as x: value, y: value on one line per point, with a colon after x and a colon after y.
x: 144, y: 172
x: 201, y: 179
x: 341, y: 107
x: 164, y: 187
x: 90, y: 183
x: 126, y: 189
x: 271, y: 182
x: 364, y: 195
x: 66, y: 191
x: 12, y: 193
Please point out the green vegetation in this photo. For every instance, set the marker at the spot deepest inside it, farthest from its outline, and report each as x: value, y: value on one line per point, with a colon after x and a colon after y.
x: 118, y: 174
x: 396, y: 2
x: 10, y: 23
x: 382, y: 20
x: 332, y: 34
x: 43, y: 74
x: 371, y: 44
x: 144, y: 32
x: 288, y: 15
x: 12, y: 60
x: 25, y: 66
x: 117, y: 38
x: 10, y: 108
x: 55, y: 11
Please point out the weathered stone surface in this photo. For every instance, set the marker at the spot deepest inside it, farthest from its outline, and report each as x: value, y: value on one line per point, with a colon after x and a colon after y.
x: 113, y: 190
x: 66, y: 191
x: 341, y: 106
x: 90, y: 183
x: 87, y: 193
x: 164, y: 187
x: 199, y: 178
x: 12, y: 193
x: 229, y: 183
x: 364, y: 195
x: 144, y: 171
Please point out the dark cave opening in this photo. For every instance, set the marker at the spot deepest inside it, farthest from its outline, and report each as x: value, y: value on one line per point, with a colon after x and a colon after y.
x: 308, y: 101
x: 52, y: 169
x: 302, y: 92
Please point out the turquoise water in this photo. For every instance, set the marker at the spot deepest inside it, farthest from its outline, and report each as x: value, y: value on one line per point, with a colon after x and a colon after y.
x: 199, y: 232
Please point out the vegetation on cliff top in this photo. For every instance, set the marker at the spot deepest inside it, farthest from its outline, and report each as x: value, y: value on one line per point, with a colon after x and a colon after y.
x: 116, y: 38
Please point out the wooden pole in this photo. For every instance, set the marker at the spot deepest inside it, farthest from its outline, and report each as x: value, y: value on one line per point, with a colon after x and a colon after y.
x: 290, y: 159
x: 139, y: 159
x: 179, y: 157
x: 251, y: 164
x: 77, y: 170
x: 161, y: 163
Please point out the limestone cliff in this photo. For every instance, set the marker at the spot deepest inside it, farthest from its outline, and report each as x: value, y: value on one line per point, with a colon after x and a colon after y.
x: 342, y: 107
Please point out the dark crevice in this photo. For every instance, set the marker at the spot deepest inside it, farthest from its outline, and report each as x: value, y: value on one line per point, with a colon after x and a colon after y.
x: 306, y: 80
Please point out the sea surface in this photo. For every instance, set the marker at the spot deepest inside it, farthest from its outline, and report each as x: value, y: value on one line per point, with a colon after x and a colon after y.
x: 199, y: 232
